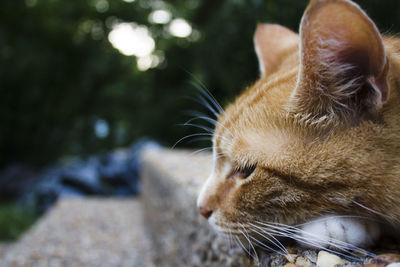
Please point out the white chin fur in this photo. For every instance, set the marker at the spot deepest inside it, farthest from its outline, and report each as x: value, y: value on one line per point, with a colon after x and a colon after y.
x: 339, y: 232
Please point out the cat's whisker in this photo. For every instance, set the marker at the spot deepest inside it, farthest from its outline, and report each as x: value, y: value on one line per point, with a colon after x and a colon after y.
x: 274, y: 241
x: 189, y: 136
x: 333, y: 242
x: 200, y: 150
x: 341, y: 248
x: 212, y: 99
x: 261, y: 244
x: 241, y: 245
x: 203, y: 89
x: 250, y: 247
x: 279, y: 231
x: 201, y: 100
x: 197, y: 134
x: 198, y: 115
x: 207, y: 100
x: 283, y: 233
x: 279, y: 226
x: 209, y: 131
x: 250, y: 243
x: 219, y: 156
x: 205, y: 128
x: 314, y: 240
x: 229, y: 240
x: 317, y: 244
x: 337, y: 217
x: 390, y: 218
x: 341, y: 245
x: 198, y: 139
x: 235, y: 241
x: 201, y: 116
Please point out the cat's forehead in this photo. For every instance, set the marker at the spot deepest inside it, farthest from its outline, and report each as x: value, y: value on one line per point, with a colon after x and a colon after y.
x: 263, y: 145
x: 259, y: 114
x: 266, y: 139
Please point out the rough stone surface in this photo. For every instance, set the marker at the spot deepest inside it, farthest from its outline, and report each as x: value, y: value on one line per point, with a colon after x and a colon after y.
x: 3, y: 249
x: 84, y: 232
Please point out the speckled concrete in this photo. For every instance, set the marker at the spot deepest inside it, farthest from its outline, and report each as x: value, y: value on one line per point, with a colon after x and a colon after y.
x: 3, y: 249
x: 84, y: 232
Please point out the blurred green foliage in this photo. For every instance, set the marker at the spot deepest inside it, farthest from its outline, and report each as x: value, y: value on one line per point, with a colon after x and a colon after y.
x: 59, y: 74
x: 14, y: 220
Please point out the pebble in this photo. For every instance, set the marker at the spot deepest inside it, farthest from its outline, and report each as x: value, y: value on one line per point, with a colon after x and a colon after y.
x: 303, y: 262
x: 291, y: 265
x: 326, y: 259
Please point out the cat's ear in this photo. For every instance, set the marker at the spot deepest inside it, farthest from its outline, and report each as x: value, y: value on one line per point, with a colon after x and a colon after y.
x: 271, y: 42
x: 344, y: 67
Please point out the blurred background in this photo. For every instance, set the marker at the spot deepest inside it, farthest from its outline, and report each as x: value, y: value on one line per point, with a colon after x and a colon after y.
x: 85, y: 84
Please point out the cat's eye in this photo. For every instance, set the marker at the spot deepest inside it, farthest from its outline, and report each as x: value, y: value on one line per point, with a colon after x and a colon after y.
x: 242, y: 172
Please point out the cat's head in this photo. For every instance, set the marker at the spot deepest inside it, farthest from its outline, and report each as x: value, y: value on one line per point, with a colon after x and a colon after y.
x: 307, y: 138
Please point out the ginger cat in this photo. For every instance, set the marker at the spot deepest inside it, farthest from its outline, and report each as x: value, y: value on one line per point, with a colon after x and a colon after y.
x: 311, y: 151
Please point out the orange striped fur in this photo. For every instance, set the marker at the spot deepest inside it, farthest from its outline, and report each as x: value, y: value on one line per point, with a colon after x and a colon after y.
x: 318, y: 133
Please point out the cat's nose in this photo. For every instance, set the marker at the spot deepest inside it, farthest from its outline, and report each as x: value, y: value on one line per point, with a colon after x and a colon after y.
x: 205, y: 211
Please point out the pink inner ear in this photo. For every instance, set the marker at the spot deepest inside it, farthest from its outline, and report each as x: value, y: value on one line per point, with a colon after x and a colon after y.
x: 271, y: 43
x: 338, y: 34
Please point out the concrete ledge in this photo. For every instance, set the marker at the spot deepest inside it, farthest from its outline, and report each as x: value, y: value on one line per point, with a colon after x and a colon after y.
x: 84, y: 232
